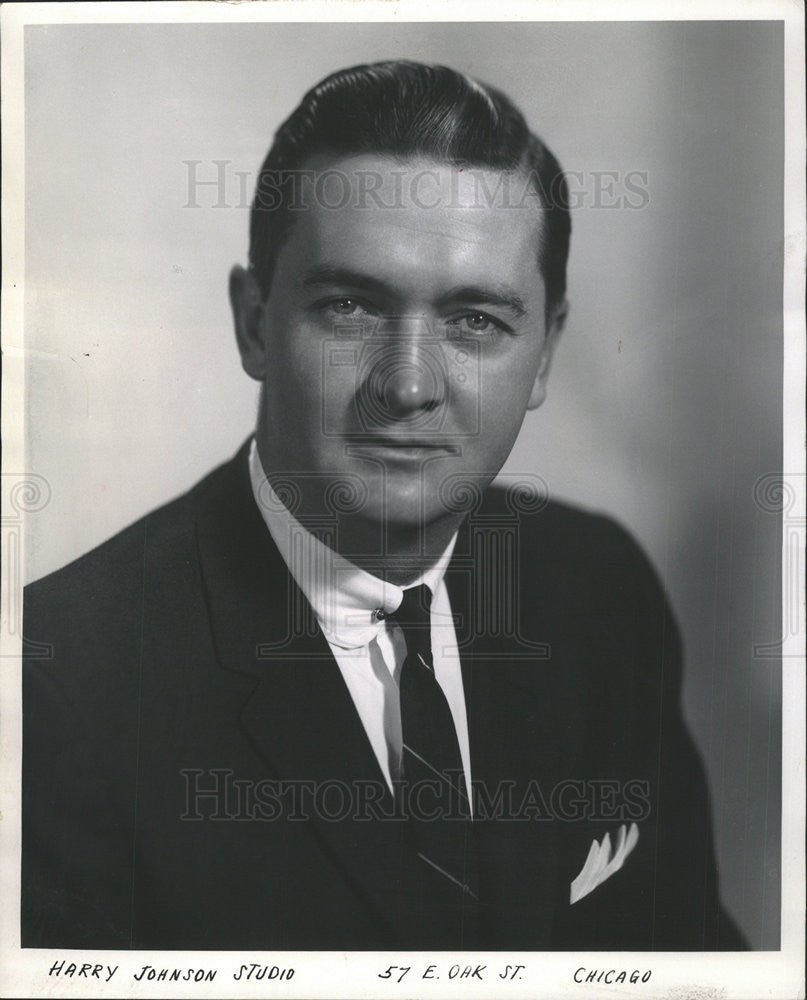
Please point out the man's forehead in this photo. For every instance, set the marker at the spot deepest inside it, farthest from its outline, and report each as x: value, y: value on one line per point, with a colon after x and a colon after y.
x: 417, y: 218
x: 377, y: 181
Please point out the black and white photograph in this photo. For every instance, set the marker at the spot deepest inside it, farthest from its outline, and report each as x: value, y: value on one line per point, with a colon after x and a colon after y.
x: 403, y: 500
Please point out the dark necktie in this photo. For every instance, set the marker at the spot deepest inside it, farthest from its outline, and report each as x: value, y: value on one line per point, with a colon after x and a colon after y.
x: 432, y: 793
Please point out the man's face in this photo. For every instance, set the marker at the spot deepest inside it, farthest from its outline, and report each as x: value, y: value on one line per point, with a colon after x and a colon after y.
x: 403, y: 338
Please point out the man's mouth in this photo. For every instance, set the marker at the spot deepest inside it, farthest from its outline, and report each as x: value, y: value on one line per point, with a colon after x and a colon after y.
x: 403, y: 447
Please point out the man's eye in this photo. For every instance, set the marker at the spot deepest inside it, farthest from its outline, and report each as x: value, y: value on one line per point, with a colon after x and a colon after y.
x: 478, y: 322
x: 345, y: 306
x: 474, y: 323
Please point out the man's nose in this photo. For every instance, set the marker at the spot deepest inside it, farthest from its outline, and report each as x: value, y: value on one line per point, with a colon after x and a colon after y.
x: 409, y: 385
x: 406, y: 375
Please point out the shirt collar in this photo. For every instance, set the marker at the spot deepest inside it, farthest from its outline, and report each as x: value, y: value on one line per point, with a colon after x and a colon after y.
x: 344, y: 597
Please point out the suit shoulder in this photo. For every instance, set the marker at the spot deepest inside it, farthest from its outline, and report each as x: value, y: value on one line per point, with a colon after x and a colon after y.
x: 582, y: 558
x: 560, y: 526
x: 107, y: 572
x: 91, y: 626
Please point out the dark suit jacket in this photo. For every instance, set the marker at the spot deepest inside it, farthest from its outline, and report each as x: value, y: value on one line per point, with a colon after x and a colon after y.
x: 179, y: 658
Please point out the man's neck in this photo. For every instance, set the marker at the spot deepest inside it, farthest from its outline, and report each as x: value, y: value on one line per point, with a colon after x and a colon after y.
x: 399, y: 554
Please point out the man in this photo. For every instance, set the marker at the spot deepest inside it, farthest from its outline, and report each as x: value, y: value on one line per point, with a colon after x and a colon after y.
x: 344, y: 694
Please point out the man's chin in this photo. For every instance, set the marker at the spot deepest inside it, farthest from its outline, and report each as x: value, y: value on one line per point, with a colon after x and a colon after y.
x: 401, y: 516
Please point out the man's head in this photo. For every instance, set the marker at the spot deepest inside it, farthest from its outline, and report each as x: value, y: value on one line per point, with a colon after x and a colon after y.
x: 407, y: 110
x: 407, y: 278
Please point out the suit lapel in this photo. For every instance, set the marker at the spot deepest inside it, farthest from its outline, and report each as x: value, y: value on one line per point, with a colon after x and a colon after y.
x: 299, y: 715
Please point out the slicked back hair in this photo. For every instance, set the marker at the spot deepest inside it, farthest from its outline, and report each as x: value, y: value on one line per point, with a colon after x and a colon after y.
x: 406, y: 109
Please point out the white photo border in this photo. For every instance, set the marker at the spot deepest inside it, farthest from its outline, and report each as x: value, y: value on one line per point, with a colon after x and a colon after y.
x: 356, y: 974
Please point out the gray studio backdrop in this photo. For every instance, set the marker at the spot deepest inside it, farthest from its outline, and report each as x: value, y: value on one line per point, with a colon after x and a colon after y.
x: 664, y: 406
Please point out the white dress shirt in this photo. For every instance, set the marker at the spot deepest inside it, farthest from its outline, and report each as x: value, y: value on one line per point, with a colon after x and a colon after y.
x: 369, y: 652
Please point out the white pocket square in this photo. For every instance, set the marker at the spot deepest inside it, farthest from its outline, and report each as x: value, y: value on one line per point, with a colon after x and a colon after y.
x: 601, y: 864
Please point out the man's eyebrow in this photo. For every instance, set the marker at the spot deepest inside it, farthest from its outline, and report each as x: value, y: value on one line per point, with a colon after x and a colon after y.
x: 498, y: 295
x: 324, y: 275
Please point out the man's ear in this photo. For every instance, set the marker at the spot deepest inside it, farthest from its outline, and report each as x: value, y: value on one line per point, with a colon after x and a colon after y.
x: 245, y: 299
x: 553, y: 331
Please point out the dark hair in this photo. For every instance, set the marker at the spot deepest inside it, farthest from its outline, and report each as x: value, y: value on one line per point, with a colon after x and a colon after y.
x: 403, y: 108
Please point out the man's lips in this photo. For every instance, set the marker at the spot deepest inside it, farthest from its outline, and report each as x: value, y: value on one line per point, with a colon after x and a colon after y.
x: 404, y: 444
x: 403, y: 449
